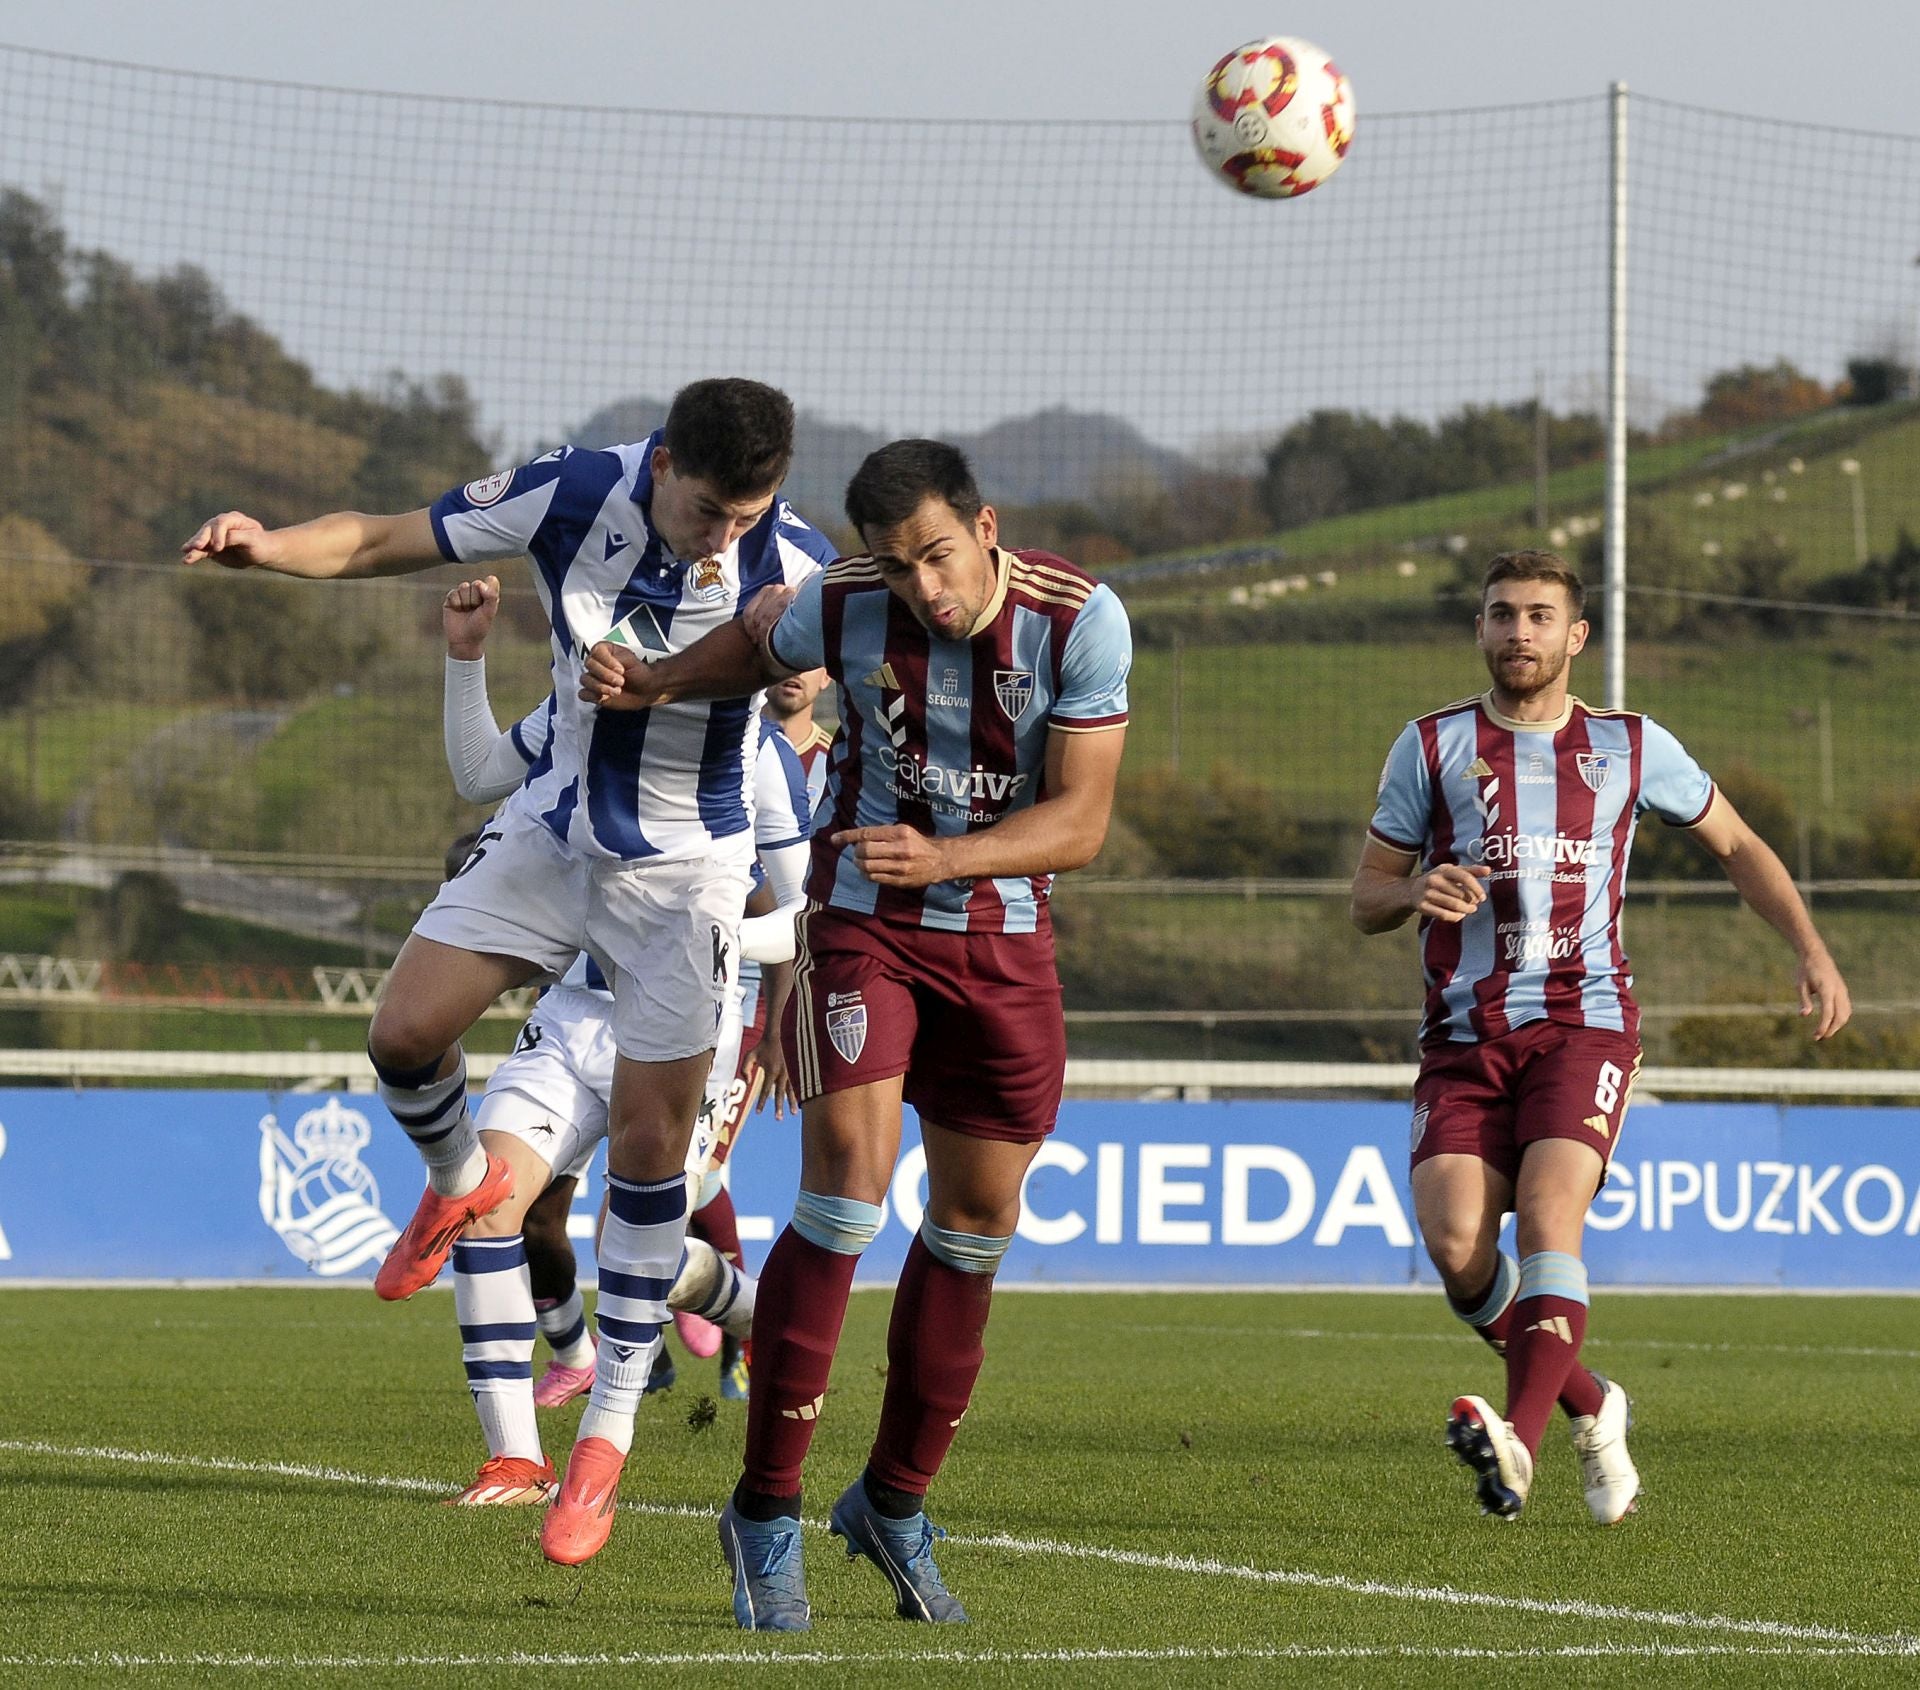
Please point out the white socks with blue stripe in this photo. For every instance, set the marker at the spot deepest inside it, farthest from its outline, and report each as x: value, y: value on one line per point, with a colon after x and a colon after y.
x: 713, y: 1288
x: 640, y: 1250
x: 433, y: 1113
x: 493, y: 1299
x: 564, y: 1326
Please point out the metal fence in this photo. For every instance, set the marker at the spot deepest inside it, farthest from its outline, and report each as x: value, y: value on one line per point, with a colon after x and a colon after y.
x: 1288, y: 434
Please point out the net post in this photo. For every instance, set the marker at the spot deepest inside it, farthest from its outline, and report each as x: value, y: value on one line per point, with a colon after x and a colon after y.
x: 1616, y: 537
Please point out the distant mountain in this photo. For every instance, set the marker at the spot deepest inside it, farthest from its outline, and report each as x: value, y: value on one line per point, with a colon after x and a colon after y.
x: 1055, y: 456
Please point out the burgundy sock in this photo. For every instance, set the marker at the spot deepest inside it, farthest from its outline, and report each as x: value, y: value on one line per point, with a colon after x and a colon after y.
x: 1543, y: 1352
x: 935, y: 1345
x: 714, y: 1221
x: 796, y: 1327
x: 1581, y: 1394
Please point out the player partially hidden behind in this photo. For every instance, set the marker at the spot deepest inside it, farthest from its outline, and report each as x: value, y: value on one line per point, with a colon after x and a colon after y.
x: 546, y: 1106
x: 983, y: 704
x: 762, y: 1074
x: 1504, y: 823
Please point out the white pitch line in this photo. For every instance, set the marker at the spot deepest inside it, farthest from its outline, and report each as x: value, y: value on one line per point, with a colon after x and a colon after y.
x: 1443, y: 1595
x: 774, y: 1656
x: 1465, y: 1337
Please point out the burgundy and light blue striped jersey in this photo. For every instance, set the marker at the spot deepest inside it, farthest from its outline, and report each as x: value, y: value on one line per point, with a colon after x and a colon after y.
x: 674, y: 781
x: 949, y: 736
x: 1549, y: 808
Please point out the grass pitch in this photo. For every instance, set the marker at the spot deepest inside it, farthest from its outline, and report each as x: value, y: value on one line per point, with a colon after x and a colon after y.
x: 223, y: 1486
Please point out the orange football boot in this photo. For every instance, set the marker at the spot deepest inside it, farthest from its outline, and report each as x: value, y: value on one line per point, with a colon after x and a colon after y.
x: 420, y: 1252
x: 508, y: 1481
x: 580, y: 1521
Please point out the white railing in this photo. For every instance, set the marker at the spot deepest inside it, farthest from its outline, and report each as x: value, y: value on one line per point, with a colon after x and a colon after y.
x: 302, y: 1070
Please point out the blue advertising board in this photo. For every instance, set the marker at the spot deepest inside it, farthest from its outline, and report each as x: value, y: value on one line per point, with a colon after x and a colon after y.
x: 250, y: 1186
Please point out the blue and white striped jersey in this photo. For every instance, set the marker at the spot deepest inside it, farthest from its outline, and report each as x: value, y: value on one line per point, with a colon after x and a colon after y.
x: 779, y: 818
x: 673, y: 781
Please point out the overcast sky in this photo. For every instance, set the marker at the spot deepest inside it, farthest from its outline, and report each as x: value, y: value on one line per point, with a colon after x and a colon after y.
x: 938, y: 276
x: 1849, y: 62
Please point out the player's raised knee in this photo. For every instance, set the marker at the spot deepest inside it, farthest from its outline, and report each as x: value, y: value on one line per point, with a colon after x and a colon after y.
x: 407, y: 1047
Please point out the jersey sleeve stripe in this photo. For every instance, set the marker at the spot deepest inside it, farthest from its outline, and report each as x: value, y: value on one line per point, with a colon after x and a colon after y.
x: 1086, y: 724
x: 1068, y: 601
x: 440, y: 536
x: 1056, y: 580
x: 1713, y: 792
x: 1391, y: 843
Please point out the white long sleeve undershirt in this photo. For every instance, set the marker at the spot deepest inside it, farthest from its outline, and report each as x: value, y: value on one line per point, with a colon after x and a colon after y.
x: 486, y: 763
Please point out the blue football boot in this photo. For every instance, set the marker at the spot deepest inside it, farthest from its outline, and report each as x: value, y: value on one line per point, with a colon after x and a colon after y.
x: 903, y: 1551
x: 769, y: 1581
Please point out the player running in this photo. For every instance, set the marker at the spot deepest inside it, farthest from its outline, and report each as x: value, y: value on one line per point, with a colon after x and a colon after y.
x: 631, y: 837
x: 545, y: 1108
x: 983, y: 706
x: 1504, y: 823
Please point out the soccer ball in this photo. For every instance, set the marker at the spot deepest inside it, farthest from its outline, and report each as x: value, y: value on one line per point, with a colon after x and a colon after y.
x: 1274, y: 118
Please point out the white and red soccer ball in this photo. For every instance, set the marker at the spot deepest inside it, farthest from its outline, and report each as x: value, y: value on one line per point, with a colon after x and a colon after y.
x: 1274, y: 118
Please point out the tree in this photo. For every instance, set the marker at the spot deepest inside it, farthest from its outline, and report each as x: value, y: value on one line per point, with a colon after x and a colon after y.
x: 1753, y: 393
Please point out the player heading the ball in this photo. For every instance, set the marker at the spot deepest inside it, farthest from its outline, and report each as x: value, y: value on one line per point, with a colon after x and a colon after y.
x: 632, y: 838
x: 983, y: 703
x: 1504, y: 824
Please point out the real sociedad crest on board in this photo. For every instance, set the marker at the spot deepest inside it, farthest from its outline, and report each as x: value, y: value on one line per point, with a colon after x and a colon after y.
x: 847, y: 1027
x: 317, y: 1194
x: 1595, y: 767
x: 1014, y: 689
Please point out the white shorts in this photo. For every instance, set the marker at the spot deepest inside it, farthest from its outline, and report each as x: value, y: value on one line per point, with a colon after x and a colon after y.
x: 522, y: 894
x: 668, y: 936
x: 666, y: 933
x: 552, y: 1092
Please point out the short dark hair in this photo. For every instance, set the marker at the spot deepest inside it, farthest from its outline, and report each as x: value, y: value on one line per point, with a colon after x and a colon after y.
x: 460, y: 850
x: 736, y: 434
x: 896, y: 480
x: 1538, y: 566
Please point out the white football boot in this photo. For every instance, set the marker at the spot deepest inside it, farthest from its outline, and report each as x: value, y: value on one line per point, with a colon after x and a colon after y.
x: 1486, y: 1443
x: 1600, y: 1441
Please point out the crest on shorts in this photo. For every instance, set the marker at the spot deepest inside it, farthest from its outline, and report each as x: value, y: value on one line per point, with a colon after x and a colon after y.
x: 707, y: 582
x: 847, y: 1027
x: 1594, y: 767
x: 488, y: 490
x: 1014, y: 689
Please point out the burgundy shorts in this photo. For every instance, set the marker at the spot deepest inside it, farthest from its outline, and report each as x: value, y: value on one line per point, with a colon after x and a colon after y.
x: 972, y: 1019
x: 1545, y: 1080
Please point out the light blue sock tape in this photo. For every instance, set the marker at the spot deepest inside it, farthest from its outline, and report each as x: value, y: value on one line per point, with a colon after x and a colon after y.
x: 968, y: 1252
x: 843, y: 1225
x: 1553, y: 1273
x: 1506, y: 1284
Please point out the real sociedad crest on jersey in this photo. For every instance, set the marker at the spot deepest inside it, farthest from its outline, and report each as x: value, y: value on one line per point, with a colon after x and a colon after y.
x: 847, y: 1027
x: 708, y: 580
x: 1014, y: 689
x: 1594, y: 767
x: 317, y: 1194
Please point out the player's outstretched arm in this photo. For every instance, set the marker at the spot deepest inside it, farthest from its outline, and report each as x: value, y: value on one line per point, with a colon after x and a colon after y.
x: 1063, y: 830
x: 722, y: 664
x: 1762, y: 881
x: 1387, y: 893
x: 343, y: 546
